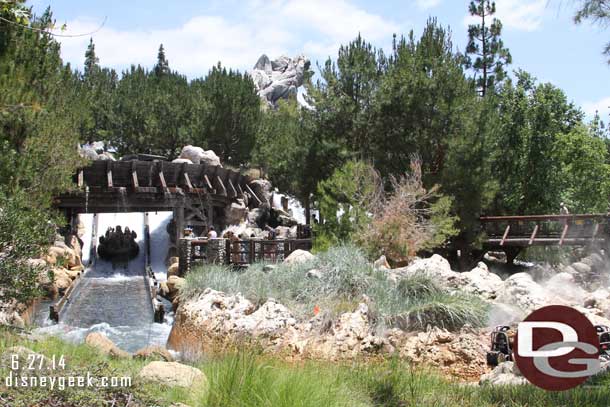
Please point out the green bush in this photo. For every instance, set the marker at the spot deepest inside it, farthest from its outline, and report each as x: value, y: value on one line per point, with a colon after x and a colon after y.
x: 24, y: 231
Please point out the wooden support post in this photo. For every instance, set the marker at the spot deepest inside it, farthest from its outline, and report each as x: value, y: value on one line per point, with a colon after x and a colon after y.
x: 222, y: 185
x: 162, y: 177
x: 81, y: 179
x: 207, y: 182
x: 134, y: 176
x: 563, y: 234
x: 109, y: 174
x: 232, y: 188
x: 179, y: 221
x: 533, y: 236
x: 187, y: 181
x: 595, y: 230
x: 253, y: 194
x: 505, y: 235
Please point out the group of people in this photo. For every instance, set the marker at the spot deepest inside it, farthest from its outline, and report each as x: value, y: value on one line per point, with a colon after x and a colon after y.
x: 117, y: 242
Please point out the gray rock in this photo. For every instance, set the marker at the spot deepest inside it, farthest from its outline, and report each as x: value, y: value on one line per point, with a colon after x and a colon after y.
x: 299, y: 256
x: 173, y: 374
x: 279, y: 79
x: 505, y: 374
x: 198, y: 155
x: 581, y: 267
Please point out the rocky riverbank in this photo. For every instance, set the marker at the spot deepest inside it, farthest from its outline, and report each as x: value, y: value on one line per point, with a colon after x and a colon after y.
x: 211, y: 320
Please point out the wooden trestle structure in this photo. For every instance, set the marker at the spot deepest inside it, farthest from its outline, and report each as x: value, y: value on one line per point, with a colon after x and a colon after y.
x: 512, y: 234
x: 196, y: 194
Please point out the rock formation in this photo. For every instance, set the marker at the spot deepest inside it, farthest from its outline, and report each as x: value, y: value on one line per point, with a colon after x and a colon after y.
x: 280, y: 78
x: 95, y: 151
x: 173, y: 374
x: 197, y: 155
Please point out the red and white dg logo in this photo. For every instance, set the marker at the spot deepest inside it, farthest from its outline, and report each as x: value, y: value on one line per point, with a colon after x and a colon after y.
x: 557, y: 348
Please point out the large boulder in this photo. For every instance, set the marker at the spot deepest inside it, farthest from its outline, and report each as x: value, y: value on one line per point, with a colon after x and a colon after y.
x: 280, y: 78
x: 505, y: 374
x: 198, y: 155
x: 298, y: 257
x: 481, y: 282
x: 173, y: 374
x: 236, y: 213
x: 436, y: 267
x: 382, y: 264
x: 523, y: 292
x: 204, y: 320
x: 105, y: 345
x: 173, y: 270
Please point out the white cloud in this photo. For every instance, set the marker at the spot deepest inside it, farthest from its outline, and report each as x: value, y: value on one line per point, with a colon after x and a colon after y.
x: 426, y: 4
x: 273, y: 27
x: 521, y: 15
x: 602, y: 106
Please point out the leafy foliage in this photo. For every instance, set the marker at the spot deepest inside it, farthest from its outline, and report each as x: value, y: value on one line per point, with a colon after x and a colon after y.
x: 407, y: 219
x: 23, y: 231
x: 344, y: 201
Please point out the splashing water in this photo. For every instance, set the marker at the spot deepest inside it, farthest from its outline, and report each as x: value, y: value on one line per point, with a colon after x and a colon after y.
x: 113, y: 299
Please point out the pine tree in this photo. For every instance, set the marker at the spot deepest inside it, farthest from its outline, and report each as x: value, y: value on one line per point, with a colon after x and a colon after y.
x: 91, y: 60
x: 162, y: 67
x: 485, y: 44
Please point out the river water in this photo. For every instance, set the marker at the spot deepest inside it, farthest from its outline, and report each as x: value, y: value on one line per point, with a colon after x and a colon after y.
x: 113, y: 299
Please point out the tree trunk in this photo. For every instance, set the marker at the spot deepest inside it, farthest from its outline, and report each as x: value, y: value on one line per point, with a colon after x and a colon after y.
x: 307, y: 209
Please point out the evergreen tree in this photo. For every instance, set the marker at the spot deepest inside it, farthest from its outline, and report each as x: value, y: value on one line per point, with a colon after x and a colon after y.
x: 91, y: 60
x: 232, y: 114
x: 485, y: 44
x: 162, y: 66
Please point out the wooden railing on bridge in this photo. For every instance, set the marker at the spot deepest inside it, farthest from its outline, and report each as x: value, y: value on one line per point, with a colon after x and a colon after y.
x: 546, y: 230
x: 239, y: 253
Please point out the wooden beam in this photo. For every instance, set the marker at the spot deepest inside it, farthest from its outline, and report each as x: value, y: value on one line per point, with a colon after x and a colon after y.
x: 595, y: 230
x: 109, y: 174
x: 162, y: 178
x: 187, y: 180
x: 505, y: 235
x: 208, y: 183
x: 563, y: 234
x: 533, y: 236
x: 222, y: 185
x: 134, y: 176
x: 232, y: 187
x: 253, y: 194
x: 81, y: 179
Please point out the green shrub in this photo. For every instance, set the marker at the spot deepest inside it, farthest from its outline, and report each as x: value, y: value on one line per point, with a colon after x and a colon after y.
x: 346, y: 277
x: 24, y: 231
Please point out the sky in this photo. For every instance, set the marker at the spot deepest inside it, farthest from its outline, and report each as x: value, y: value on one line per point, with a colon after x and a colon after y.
x: 540, y: 34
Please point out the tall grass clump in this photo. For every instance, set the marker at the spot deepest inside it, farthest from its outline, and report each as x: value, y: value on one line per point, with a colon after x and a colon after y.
x: 343, y: 279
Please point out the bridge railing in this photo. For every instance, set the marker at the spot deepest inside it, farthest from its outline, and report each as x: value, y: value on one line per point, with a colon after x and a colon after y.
x: 238, y: 252
x: 527, y: 230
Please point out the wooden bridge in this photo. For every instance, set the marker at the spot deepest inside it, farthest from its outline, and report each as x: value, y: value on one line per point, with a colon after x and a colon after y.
x: 196, y: 194
x: 512, y: 234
